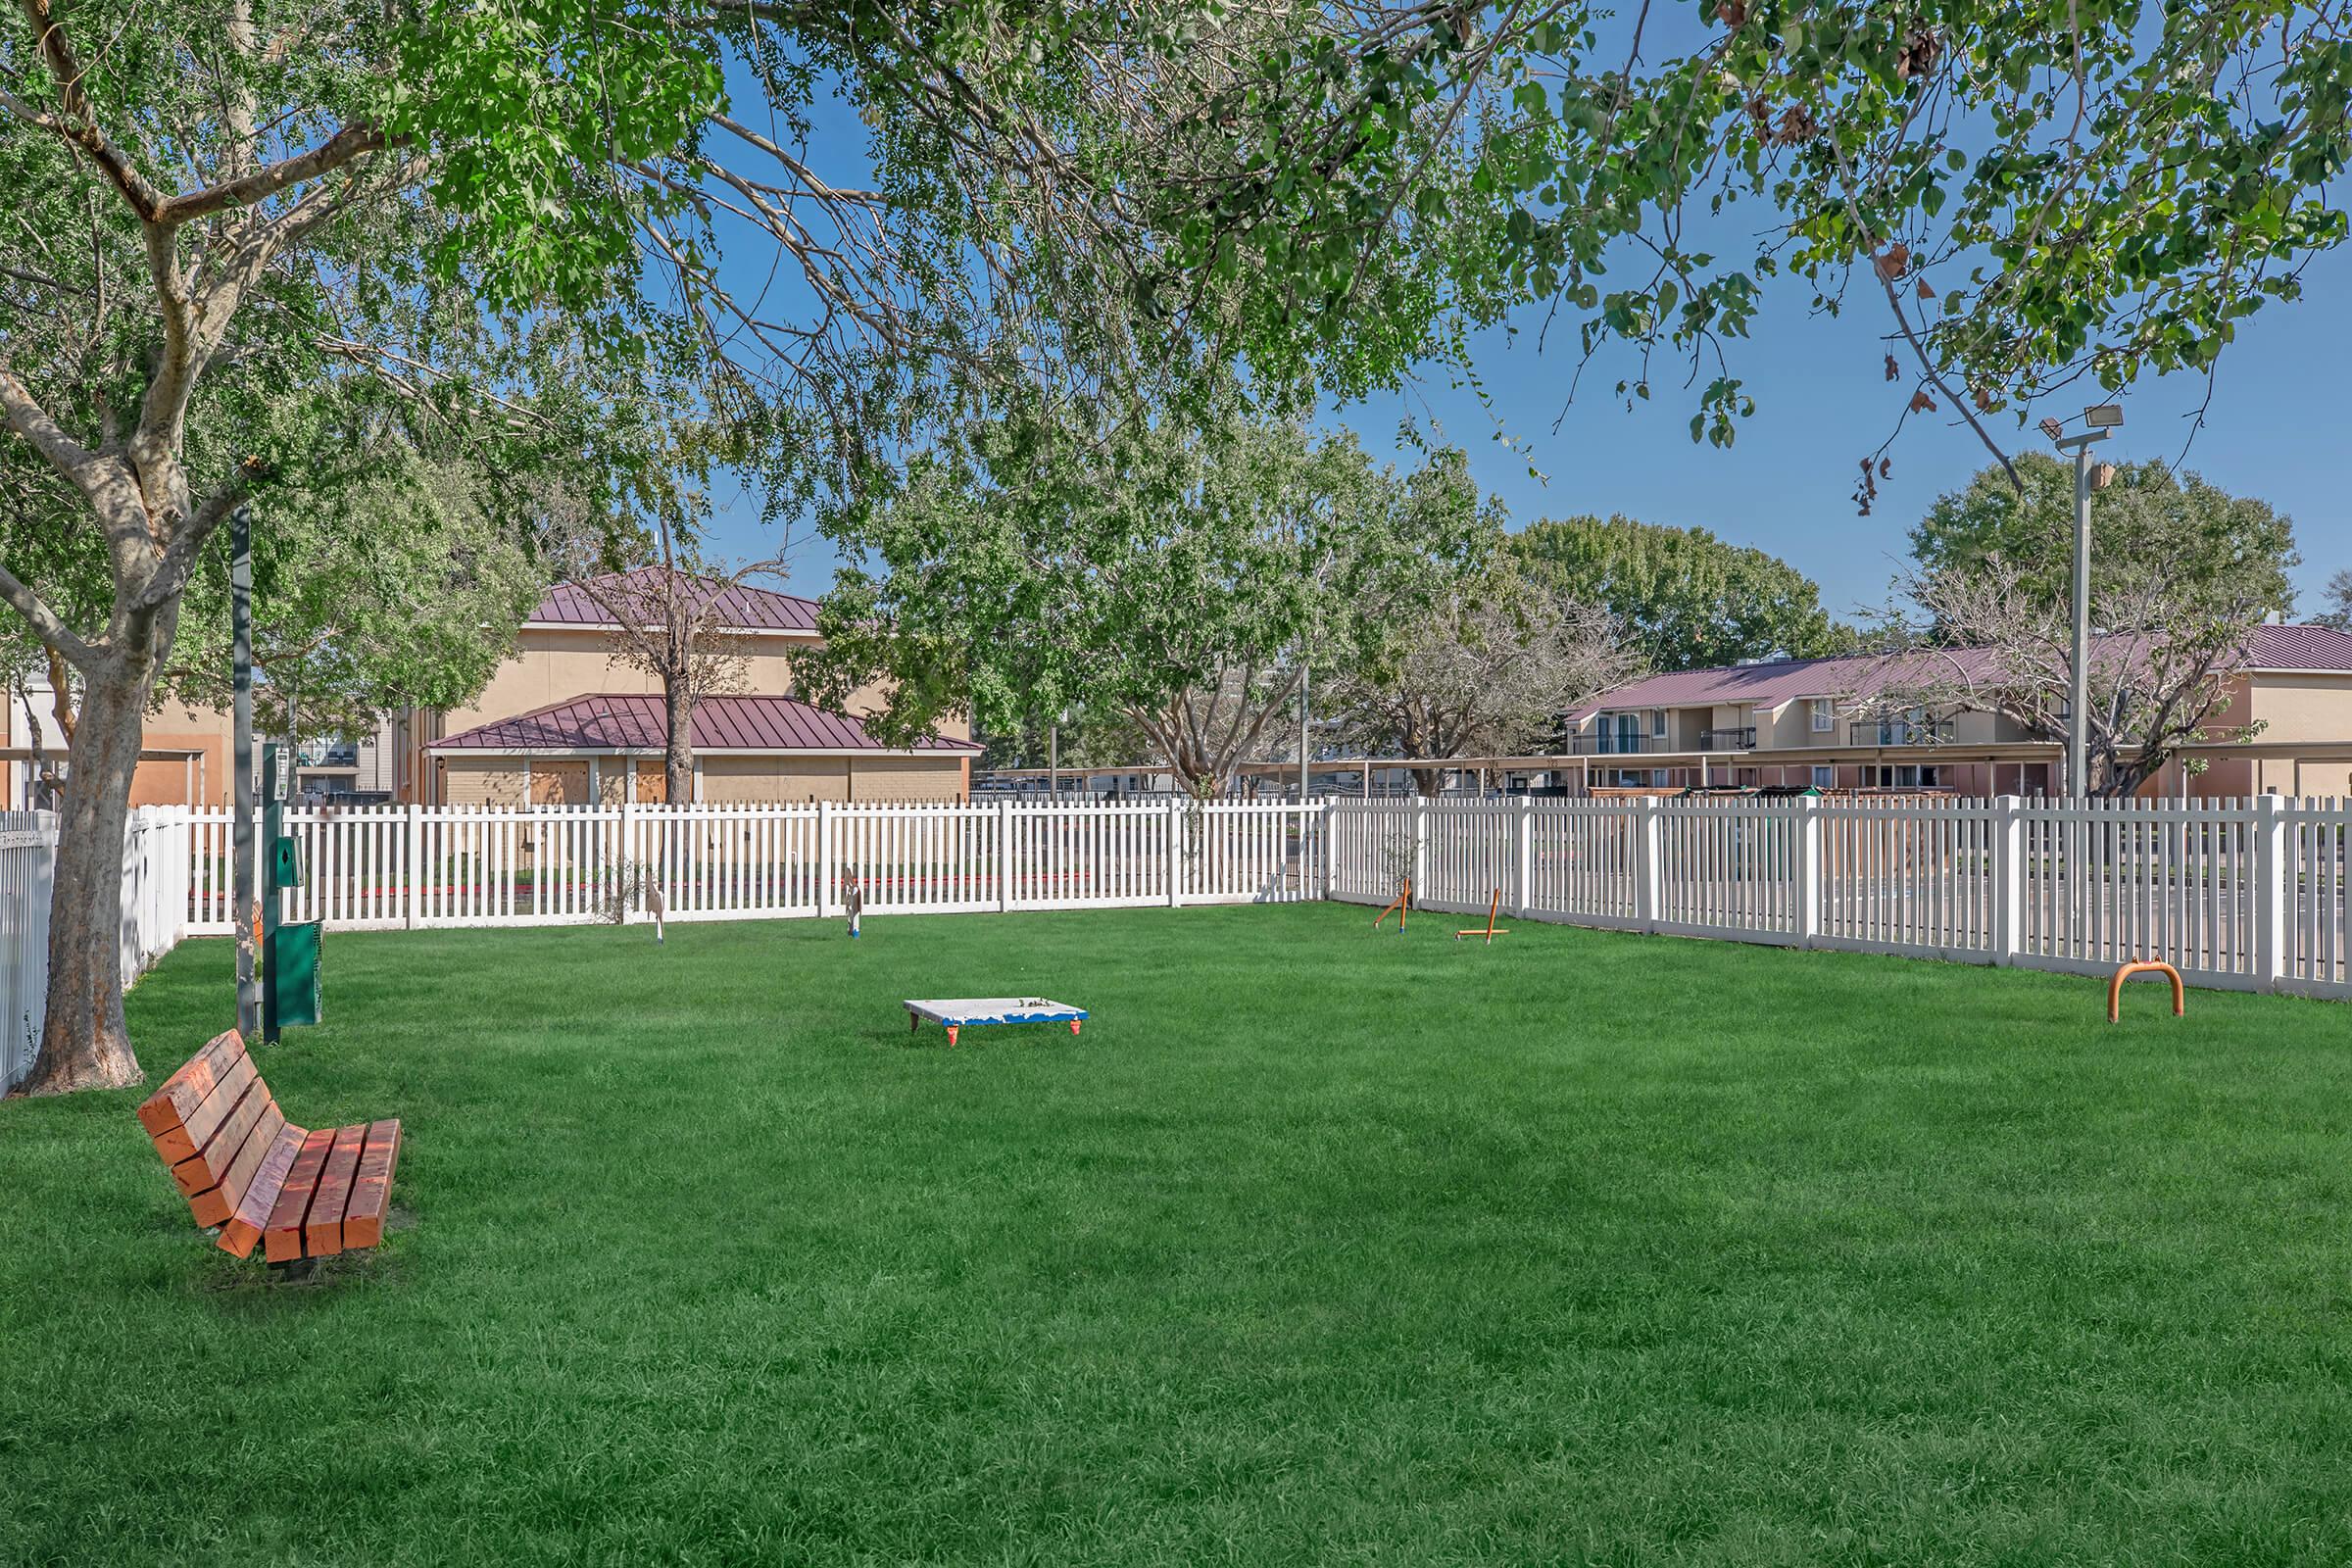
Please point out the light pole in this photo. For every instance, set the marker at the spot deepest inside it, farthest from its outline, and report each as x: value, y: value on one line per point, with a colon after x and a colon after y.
x: 2101, y: 421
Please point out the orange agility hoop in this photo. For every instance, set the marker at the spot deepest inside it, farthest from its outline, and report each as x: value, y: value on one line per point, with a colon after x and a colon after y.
x: 1489, y: 933
x: 1402, y: 902
x: 2115, y: 987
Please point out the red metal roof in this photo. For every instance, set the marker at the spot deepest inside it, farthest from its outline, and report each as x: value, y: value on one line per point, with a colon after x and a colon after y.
x: 1772, y: 685
x: 630, y: 721
x: 2321, y: 649
x: 745, y: 607
x: 1768, y: 685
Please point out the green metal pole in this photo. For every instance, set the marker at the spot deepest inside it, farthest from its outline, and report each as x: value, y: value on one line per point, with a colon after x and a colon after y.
x: 271, y: 826
x: 245, y: 874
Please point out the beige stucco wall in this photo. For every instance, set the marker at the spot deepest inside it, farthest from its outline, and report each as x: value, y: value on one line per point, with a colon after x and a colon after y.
x: 770, y: 780
x: 483, y: 782
x: 556, y: 665
x: 1792, y: 725
x: 907, y: 778
x: 175, y: 726
x: 2301, y: 708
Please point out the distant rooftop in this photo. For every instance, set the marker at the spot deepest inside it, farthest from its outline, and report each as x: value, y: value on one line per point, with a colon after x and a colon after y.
x: 630, y: 721
x: 2292, y: 650
x: 743, y: 606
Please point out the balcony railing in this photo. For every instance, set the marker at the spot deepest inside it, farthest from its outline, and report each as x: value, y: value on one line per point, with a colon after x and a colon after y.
x: 1728, y: 740
x: 1900, y: 732
x: 1616, y: 743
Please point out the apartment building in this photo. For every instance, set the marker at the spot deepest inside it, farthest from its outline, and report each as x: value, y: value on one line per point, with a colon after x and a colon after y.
x: 1814, y: 721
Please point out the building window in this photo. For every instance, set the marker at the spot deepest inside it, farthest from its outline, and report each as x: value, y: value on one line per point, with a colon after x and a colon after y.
x: 1825, y: 778
x: 1906, y: 776
x: 1825, y: 716
x: 1658, y: 722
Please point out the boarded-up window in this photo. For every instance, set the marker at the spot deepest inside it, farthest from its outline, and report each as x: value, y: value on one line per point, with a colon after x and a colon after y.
x: 653, y: 784
x: 559, y: 783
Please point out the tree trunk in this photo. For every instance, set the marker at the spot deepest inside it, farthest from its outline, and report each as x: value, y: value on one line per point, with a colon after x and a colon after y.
x: 677, y: 742
x: 1426, y: 780
x: 84, y: 1042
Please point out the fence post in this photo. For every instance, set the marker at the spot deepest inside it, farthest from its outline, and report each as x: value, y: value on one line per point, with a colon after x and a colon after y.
x: 1649, y: 858
x: 1421, y: 846
x: 2008, y: 879
x: 1808, y: 871
x: 1004, y: 855
x: 631, y: 888
x: 1176, y: 806
x: 2272, y: 891
x: 824, y: 858
x: 413, y: 883
x: 1523, y: 853
x: 1323, y: 821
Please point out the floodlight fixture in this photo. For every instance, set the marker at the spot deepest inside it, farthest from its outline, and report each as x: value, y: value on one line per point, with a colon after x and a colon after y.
x: 2104, y: 416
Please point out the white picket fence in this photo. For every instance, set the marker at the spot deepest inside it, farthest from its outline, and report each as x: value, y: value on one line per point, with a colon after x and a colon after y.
x: 383, y: 867
x: 155, y: 903
x: 2244, y: 895
x: 2248, y: 894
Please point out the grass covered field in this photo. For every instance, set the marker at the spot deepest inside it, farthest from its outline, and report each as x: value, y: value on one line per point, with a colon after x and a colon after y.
x: 1314, y: 1247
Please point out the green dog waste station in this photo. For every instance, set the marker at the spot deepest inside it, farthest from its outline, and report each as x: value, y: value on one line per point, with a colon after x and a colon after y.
x: 291, y: 956
x: 290, y: 952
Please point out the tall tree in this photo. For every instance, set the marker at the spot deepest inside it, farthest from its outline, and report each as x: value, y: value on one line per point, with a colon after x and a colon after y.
x: 2211, y: 543
x: 1684, y: 599
x: 1181, y: 579
x: 248, y: 231
x: 1488, y: 671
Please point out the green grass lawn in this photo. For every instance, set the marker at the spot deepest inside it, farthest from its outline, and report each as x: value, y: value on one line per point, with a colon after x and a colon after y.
x: 1316, y: 1247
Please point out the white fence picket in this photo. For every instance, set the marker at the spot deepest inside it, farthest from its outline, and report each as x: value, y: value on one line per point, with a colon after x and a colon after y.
x: 2247, y: 894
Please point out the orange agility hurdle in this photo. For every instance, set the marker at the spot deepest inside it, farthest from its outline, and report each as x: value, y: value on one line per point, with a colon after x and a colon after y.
x: 1489, y: 933
x: 1402, y: 902
x: 2115, y: 987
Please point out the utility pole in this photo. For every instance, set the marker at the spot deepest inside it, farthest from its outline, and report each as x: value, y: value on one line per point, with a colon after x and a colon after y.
x: 2102, y: 421
x: 246, y: 876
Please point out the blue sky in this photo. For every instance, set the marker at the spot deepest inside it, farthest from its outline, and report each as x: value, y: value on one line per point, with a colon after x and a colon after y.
x: 2272, y: 431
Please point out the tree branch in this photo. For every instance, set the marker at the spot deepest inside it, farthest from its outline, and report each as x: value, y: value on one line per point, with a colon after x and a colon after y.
x: 345, y: 145
x: 47, y: 625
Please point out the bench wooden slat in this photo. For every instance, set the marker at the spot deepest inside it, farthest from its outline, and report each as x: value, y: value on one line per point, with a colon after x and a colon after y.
x: 281, y: 1241
x: 203, y: 1170
x: 198, y: 1127
x: 217, y: 1205
x: 248, y: 1170
x: 244, y: 1227
x: 181, y: 1094
x: 371, y: 1192
x: 322, y: 1231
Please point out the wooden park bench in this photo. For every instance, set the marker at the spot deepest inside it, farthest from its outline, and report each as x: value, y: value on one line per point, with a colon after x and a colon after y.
x: 245, y: 1168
